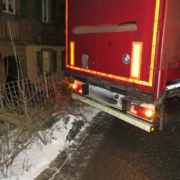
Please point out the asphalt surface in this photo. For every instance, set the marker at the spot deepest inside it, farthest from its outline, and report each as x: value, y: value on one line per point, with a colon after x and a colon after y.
x: 129, y: 153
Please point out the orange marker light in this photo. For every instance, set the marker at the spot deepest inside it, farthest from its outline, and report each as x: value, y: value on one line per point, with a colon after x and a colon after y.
x: 154, y: 41
x: 136, y: 59
x: 72, y: 53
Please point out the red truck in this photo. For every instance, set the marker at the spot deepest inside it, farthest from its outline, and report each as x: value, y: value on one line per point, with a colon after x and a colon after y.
x: 125, y: 58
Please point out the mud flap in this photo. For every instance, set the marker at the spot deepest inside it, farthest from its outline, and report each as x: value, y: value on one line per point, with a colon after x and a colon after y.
x: 169, y: 113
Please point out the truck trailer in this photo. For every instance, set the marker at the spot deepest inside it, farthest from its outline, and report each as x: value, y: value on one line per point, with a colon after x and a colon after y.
x: 124, y: 56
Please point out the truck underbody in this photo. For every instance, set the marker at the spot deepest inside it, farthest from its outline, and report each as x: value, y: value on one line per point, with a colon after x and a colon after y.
x: 166, y: 109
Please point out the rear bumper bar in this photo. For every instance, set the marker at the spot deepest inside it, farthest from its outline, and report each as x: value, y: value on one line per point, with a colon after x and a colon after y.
x: 117, y: 113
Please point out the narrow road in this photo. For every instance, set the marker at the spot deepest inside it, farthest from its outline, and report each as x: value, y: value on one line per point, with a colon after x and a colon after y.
x: 129, y: 153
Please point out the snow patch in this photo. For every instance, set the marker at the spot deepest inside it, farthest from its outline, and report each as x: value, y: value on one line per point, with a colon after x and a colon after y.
x: 32, y: 161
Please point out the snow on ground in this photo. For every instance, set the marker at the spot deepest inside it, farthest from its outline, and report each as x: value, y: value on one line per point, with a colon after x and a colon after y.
x: 32, y: 161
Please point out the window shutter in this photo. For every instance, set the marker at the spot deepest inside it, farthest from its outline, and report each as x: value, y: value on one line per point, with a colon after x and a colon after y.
x: 63, y: 53
x: 1, y: 5
x: 54, y: 60
x: 23, y: 9
x: 63, y: 15
x: 53, y: 11
x: 39, y: 63
x: 38, y: 10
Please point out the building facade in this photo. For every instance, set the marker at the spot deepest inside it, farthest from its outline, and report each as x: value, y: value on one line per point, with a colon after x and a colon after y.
x: 32, y: 37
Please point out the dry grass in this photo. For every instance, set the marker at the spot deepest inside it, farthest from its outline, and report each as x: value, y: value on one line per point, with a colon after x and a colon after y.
x: 21, y: 122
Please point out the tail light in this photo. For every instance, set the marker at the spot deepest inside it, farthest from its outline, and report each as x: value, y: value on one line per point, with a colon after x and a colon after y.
x: 148, y: 113
x: 74, y: 86
x: 77, y: 87
x: 134, y: 109
x: 82, y: 89
x: 141, y: 111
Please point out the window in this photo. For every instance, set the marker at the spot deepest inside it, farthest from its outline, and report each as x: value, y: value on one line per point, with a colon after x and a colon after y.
x: 8, y: 6
x: 45, y: 10
x: 46, y: 61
